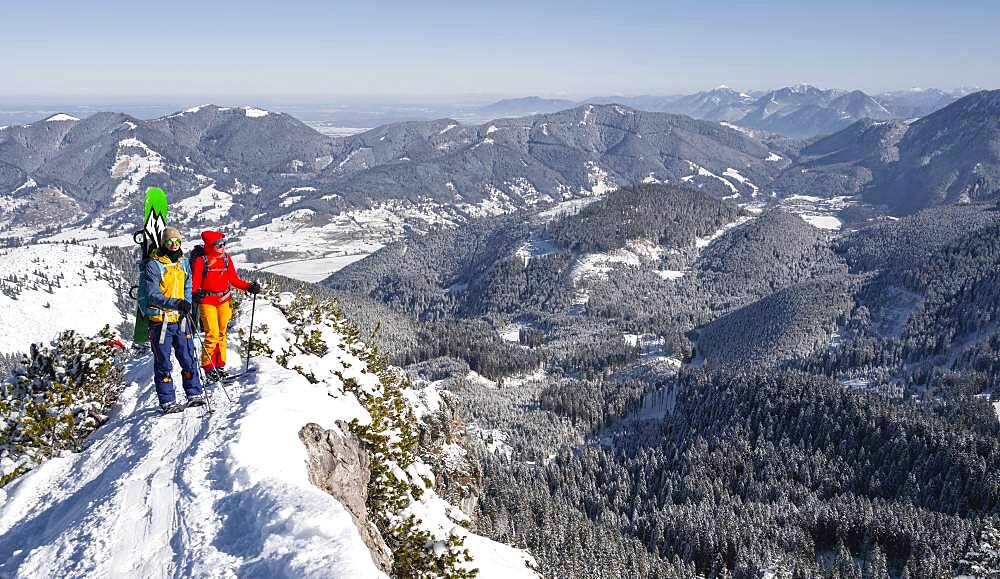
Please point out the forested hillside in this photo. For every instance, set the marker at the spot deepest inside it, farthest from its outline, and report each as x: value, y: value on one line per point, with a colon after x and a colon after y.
x: 699, y: 389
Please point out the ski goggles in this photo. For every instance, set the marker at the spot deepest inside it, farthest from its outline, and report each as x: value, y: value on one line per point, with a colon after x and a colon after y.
x: 173, y: 241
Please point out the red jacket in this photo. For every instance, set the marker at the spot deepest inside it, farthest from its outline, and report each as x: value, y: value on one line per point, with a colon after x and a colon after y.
x: 218, y: 280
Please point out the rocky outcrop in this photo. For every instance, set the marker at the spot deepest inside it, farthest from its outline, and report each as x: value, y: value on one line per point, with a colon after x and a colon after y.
x: 443, y: 445
x: 339, y: 465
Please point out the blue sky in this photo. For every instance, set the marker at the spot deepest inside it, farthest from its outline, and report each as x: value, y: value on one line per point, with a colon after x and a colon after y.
x: 368, y: 49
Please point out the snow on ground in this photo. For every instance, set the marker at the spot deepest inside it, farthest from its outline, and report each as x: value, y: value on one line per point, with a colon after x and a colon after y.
x: 316, y: 269
x: 734, y: 174
x: 512, y: 332
x: 774, y: 157
x: 703, y: 172
x: 703, y: 242
x: 131, y: 168
x: 743, y: 130
x: 254, y: 113
x: 61, y: 117
x: 536, y: 246
x: 600, y: 182
x: 670, y: 274
x: 996, y: 407
x: 82, y: 302
x: 823, y: 221
x: 91, y: 236
x: 656, y: 405
x: 210, y: 204
x: 819, y: 212
x: 564, y: 208
x: 494, y: 439
x: 209, y: 495
x: 599, y: 264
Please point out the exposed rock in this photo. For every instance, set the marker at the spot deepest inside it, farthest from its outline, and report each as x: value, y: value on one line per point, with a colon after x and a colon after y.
x: 339, y: 465
x: 442, y: 442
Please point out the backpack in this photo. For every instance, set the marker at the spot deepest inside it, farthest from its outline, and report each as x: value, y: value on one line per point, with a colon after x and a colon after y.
x: 199, y: 253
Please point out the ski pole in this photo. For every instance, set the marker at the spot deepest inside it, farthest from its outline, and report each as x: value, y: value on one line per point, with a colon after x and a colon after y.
x: 253, y: 310
x: 208, y: 397
x: 201, y: 345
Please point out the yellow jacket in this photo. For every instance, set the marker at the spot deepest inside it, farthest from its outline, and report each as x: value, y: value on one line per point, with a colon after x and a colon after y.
x: 163, y: 285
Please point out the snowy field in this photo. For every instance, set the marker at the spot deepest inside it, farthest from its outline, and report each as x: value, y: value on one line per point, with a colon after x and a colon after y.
x: 208, y: 495
x: 75, y: 300
x: 818, y: 211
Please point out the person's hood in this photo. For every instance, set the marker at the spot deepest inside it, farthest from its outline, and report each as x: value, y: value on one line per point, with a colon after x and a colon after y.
x: 209, y: 238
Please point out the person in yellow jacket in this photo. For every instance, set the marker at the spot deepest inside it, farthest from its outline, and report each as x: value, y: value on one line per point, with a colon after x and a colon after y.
x: 165, y: 299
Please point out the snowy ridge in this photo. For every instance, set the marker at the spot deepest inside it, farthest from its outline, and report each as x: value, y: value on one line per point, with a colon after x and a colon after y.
x: 211, y: 495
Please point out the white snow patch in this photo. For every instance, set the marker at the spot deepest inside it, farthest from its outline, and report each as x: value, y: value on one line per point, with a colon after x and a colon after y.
x: 132, y: 168
x: 703, y: 242
x: 255, y: 113
x: 491, y: 129
x: 743, y: 130
x: 563, y: 208
x: 30, y: 183
x: 734, y: 174
x: 671, y: 274
x: 774, y: 157
x: 210, y: 204
x: 598, y: 179
x: 448, y: 128
x: 703, y: 172
x: 82, y: 302
x: 651, y: 178
x: 61, y: 117
x: 350, y: 156
x: 485, y: 141
x: 823, y: 221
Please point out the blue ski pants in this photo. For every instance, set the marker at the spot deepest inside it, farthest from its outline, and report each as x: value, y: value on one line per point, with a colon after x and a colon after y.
x: 182, y: 345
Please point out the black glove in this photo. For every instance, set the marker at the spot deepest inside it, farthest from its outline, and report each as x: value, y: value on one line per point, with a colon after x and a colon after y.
x: 184, y: 308
x: 198, y: 296
x: 254, y: 287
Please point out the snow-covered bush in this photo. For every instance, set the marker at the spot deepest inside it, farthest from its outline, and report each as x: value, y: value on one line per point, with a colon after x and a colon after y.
x: 56, y: 396
x: 398, y: 478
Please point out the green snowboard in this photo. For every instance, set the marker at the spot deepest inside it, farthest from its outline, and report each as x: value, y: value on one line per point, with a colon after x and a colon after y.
x: 154, y: 221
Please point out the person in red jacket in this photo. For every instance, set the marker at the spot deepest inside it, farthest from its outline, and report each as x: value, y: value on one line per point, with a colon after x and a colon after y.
x: 213, y: 278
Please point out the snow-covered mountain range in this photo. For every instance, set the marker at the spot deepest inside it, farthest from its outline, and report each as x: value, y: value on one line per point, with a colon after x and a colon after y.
x: 301, y: 201
x: 800, y: 111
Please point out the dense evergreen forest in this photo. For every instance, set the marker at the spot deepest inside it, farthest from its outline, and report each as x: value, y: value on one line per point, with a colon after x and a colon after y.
x: 667, y: 385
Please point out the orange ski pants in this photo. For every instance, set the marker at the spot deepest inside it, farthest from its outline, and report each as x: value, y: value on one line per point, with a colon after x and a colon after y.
x: 215, y: 322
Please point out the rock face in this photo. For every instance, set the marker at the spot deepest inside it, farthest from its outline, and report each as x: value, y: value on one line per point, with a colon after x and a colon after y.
x: 340, y: 466
x: 442, y: 441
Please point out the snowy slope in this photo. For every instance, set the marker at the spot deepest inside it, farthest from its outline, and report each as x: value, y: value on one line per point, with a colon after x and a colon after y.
x: 81, y: 302
x: 206, y: 495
